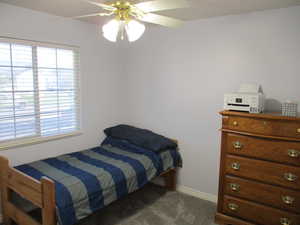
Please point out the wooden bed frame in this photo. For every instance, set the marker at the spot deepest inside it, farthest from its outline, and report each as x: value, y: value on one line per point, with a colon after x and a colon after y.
x: 40, y: 193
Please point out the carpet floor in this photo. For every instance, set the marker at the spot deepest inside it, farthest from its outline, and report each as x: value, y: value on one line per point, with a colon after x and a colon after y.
x: 153, y: 205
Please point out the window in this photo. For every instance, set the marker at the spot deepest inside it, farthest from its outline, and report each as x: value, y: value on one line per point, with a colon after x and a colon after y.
x: 38, y: 90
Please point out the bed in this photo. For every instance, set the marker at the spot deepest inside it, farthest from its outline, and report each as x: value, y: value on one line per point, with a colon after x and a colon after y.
x: 71, y: 187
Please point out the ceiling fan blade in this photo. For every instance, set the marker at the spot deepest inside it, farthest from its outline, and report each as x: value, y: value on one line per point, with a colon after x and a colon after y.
x: 91, y: 15
x: 160, y: 5
x: 102, y: 5
x: 161, y: 20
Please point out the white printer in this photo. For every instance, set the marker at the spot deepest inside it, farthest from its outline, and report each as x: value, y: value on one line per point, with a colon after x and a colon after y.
x: 249, y: 98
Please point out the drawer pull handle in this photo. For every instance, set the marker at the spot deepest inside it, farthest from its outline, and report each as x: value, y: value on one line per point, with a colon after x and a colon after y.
x: 235, y: 123
x: 288, y: 200
x: 298, y: 130
x: 235, y: 166
x: 233, y: 207
x: 235, y: 187
x: 237, y: 145
x: 293, y: 153
x: 285, y: 221
x: 290, y: 177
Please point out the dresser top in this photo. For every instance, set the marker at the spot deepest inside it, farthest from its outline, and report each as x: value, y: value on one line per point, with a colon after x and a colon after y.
x: 266, y: 115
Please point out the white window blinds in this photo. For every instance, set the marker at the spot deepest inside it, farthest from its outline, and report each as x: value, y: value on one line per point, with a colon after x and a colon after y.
x: 38, y: 90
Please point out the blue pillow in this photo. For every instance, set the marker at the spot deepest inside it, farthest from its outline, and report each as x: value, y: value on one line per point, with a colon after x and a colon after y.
x: 141, y: 137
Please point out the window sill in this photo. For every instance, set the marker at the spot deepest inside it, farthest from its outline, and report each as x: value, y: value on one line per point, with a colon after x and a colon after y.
x: 36, y: 140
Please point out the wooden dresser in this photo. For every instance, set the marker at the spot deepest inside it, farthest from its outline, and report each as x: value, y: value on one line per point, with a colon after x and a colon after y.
x: 260, y: 170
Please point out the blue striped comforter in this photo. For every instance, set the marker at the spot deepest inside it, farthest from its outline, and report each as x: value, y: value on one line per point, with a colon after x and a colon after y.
x: 89, y: 180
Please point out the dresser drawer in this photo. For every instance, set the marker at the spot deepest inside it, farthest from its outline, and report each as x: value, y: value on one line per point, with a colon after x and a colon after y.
x: 257, y: 213
x: 281, y: 128
x: 273, y: 173
x: 274, y: 150
x: 274, y: 196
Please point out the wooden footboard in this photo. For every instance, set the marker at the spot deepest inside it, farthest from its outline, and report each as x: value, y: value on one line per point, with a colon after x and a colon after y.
x: 40, y: 193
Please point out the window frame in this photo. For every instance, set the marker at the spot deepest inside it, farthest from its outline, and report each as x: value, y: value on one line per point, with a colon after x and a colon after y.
x: 36, y: 139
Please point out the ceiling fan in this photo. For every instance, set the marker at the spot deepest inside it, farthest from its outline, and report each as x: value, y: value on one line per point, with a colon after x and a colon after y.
x: 128, y: 14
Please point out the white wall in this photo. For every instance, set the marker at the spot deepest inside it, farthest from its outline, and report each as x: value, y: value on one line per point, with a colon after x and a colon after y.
x: 99, y: 76
x: 175, y: 79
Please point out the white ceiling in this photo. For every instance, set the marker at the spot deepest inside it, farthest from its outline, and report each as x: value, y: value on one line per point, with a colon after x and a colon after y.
x: 199, y: 8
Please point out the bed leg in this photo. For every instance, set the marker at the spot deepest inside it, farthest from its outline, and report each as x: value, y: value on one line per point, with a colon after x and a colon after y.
x: 49, y: 209
x: 5, y: 192
x: 170, y: 180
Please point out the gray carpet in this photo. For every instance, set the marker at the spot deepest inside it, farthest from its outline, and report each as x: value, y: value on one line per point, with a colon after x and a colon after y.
x: 152, y: 205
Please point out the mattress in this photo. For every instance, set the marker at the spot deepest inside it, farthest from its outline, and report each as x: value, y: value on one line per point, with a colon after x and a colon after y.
x: 89, y: 180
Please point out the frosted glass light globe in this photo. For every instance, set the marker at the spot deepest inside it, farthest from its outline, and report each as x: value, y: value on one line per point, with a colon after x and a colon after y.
x: 111, y: 30
x: 134, y: 30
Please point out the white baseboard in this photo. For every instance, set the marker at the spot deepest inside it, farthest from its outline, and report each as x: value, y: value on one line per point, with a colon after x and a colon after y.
x: 197, y: 194
x: 190, y: 191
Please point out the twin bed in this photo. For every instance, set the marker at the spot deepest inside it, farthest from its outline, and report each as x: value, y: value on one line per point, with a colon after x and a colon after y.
x: 71, y: 187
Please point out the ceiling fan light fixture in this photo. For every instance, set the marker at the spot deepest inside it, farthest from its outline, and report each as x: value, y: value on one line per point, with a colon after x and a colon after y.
x: 134, y: 30
x: 128, y: 14
x: 111, y: 30
x: 115, y: 28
